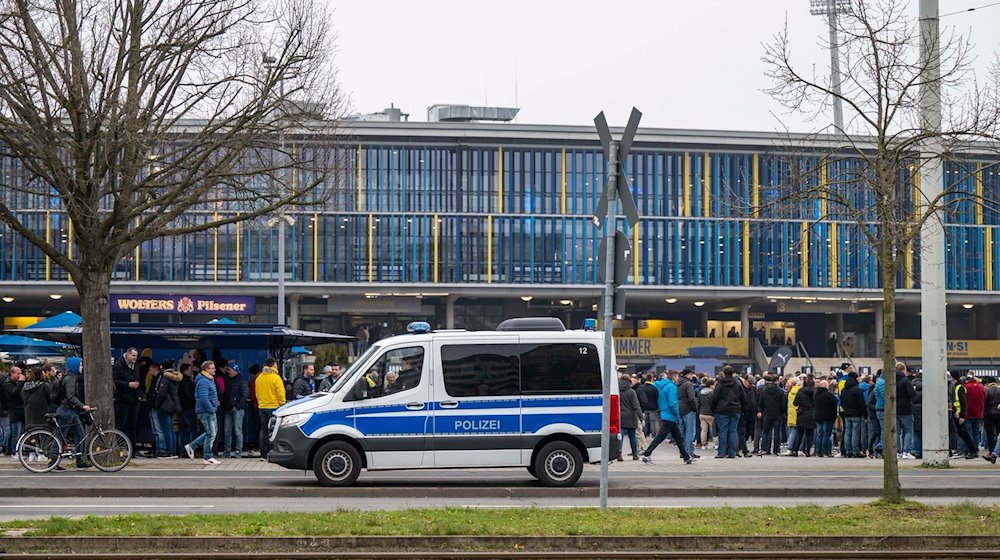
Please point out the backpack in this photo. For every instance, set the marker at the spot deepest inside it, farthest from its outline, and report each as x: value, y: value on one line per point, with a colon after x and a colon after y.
x: 55, y: 391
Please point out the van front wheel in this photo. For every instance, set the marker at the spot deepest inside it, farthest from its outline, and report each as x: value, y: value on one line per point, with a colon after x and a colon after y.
x: 337, y: 464
x: 559, y: 464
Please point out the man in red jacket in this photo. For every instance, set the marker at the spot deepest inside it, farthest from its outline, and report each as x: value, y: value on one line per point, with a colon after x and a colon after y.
x: 975, y: 398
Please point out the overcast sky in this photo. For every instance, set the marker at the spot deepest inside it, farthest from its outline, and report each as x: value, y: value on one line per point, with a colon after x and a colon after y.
x: 685, y: 64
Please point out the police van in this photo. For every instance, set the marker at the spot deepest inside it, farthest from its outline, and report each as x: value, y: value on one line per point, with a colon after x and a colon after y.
x: 527, y: 395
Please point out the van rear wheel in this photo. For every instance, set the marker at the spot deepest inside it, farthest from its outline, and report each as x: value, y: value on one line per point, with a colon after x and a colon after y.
x: 337, y: 464
x: 558, y: 464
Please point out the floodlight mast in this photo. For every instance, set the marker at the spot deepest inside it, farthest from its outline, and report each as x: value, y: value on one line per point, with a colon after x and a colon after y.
x: 830, y: 9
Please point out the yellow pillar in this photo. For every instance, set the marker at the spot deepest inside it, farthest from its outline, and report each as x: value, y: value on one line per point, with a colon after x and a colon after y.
x: 988, y: 258
x: 706, y: 179
x: 805, y: 254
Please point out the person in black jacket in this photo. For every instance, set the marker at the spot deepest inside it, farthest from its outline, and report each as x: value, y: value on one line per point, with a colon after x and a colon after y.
x: 234, y: 403
x: 629, y: 412
x: 748, y: 416
x: 69, y: 407
x: 650, y: 406
x: 826, y: 416
x: 687, y: 404
x: 15, y: 407
x: 727, y: 404
x: 187, y: 420
x: 904, y: 413
x: 772, y: 405
x: 805, y: 417
x: 918, y: 415
x: 852, y: 400
x: 166, y: 403
x: 126, y: 377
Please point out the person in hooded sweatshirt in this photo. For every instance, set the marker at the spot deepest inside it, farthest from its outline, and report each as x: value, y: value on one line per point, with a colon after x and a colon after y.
x: 728, y: 402
x: 669, y: 416
x: 167, y: 403
x: 805, y: 417
x: 852, y: 400
x: 771, y: 405
x: 826, y: 416
x: 629, y: 412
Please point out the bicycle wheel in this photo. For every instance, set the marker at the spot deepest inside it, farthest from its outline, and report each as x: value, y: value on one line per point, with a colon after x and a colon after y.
x: 109, y: 450
x: 39, y: 450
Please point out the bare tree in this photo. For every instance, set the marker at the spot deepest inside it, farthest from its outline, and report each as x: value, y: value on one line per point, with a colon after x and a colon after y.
x: 869, y: 174
x: 136, y: 115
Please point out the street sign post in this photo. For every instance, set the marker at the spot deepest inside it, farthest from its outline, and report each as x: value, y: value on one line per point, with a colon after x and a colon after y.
x: 613, y: 261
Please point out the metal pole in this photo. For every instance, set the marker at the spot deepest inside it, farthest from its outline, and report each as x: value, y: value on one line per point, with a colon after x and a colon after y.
x: 838, y: 106
x: 933, y: 321
x: 281, y: 216
x: 609, y: 304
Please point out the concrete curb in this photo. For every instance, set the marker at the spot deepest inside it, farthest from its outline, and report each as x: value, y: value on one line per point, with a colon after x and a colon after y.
x: 12, y: 545
x: 487, y: 492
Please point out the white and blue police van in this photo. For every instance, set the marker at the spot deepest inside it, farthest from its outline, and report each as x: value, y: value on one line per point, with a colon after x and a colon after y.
x: 526, y: 395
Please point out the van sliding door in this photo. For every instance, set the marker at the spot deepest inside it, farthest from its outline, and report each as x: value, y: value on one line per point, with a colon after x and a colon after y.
x: 477, y: 410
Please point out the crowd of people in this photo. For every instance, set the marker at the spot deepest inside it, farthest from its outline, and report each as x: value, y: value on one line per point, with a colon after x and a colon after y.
x: 187, y: 404
x: 835, y: 415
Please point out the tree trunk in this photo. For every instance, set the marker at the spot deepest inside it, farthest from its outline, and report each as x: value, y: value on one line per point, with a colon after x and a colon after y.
x: 891, y: 490
x: 95, y: 289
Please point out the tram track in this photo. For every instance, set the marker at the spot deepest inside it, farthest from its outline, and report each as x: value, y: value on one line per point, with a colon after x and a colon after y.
x: 521, y: 555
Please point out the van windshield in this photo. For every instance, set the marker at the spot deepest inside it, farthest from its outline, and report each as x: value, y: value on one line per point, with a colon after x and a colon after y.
x: 373, y: 349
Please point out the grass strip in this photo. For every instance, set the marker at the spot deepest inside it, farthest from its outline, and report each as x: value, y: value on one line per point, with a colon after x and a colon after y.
x: 870, y: 519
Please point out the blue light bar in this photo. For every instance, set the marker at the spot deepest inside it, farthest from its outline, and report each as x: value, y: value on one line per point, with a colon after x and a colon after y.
x: 590, y: 324
x: 418, y: 327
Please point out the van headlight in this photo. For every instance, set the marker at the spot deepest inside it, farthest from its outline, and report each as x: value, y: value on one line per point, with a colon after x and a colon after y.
x: 294, y: 420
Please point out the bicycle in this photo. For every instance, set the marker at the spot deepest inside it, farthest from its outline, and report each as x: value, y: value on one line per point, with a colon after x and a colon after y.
x: 40, y: 450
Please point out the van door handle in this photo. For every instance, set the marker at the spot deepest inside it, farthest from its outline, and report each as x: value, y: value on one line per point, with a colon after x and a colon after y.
x: 414, y: 406
x: 449, y: 404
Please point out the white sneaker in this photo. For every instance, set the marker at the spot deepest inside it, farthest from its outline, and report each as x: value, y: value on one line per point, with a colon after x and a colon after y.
x: 32, y: 457
x: 213, y: 461
x: 907, y: 456
x: 189, y: 451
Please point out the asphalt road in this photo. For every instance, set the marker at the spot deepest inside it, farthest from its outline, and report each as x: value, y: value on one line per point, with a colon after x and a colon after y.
x: 249, y: 486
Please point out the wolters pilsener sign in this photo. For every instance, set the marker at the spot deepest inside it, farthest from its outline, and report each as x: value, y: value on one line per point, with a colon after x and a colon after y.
x: 184, y: 304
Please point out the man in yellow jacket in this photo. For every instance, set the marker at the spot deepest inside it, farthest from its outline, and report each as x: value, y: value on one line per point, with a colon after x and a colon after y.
x: 270, y: 391
x: 793, y: 388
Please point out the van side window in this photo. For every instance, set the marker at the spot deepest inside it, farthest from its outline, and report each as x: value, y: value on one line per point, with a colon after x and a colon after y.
x: 397, y: 370
x: 480, y: 370
x: 560, y: 368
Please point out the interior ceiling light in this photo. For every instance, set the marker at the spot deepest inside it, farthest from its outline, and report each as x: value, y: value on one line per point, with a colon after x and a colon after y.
x: 526, y: 298
x: 566, y: 302
x: 8, y: 299
x: 671, y: 300
x: 967, y: 305
x: 55, y: 296
x: 699, y: 303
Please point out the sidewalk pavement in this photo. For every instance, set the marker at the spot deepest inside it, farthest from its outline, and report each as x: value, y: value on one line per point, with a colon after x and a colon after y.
x: 665, y: 460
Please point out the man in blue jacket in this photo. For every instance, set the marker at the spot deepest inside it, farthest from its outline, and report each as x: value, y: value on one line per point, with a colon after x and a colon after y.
x: 669, y: 415
x: 206, y: 403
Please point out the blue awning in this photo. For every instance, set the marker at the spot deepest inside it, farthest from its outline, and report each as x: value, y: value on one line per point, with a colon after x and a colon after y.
x: 277, y: 340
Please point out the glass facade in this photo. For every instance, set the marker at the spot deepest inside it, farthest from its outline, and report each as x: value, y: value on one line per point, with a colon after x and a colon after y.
x: 434, y: 209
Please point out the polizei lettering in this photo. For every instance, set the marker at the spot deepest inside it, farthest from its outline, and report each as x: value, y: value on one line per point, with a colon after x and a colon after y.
x: 476, y: 425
